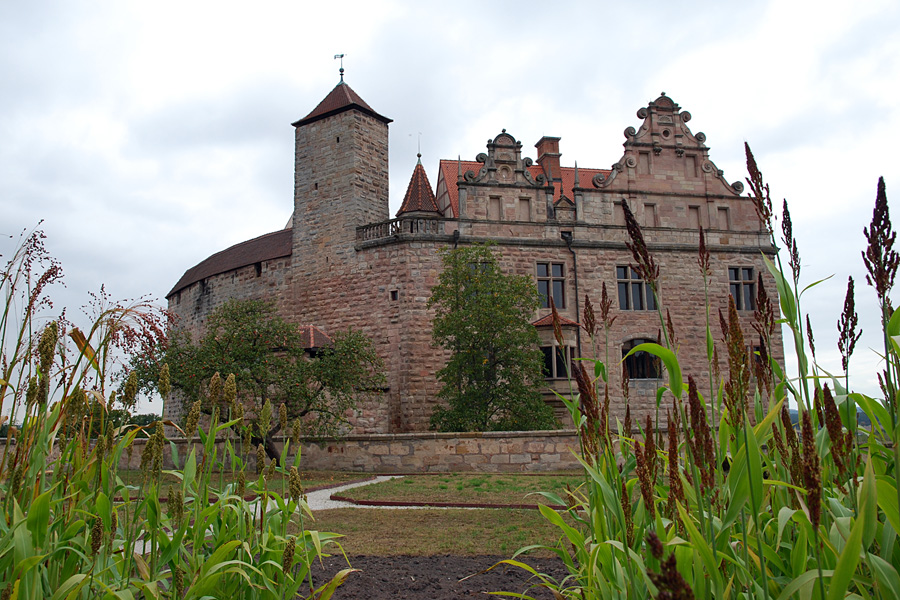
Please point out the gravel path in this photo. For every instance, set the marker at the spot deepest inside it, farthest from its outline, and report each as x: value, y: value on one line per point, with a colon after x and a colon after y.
x: 321, y: 499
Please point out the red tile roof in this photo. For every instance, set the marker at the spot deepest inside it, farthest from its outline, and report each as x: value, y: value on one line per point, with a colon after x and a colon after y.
x: 266, y: 247
x: 548, y: 321
x: 449, y: 171
x: 341, y: 98
x: 313, y: 337
x: 419, y: 196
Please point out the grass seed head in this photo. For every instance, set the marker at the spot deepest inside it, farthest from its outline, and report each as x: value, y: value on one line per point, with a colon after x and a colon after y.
x: 287, y: 557
x: 260, y: 458
x: 229, y: 392
x: 46, y: 347
x: 130, y: 391
x: 296, y: 432
x: 703, y: 256
x: 296, y: 484
x: 165, y: 382
x: 760, y: 191
x: 265, y: 418
x: 847, y: 327
x: 811, y: 471
x: 880, y: 258
x: 282, y: 418
x: 96, y: 536
x: 193, y: 420
x: 645, y: 266
x: 590, y: 323
x: 655, y: 545
x: 214, y: 391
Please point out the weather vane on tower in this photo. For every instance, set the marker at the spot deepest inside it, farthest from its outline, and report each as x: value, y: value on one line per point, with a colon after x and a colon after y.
x: 341, y: 56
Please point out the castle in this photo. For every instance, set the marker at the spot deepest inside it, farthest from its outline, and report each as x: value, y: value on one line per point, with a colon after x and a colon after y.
x: 343, y: 262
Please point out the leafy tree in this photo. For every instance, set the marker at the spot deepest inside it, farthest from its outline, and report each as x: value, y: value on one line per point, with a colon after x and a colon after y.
x: 491, y: 382
x: 266, y: 354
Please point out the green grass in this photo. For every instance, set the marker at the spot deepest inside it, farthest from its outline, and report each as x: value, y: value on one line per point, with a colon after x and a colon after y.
x: 498, y: 488
x: 428, y: 532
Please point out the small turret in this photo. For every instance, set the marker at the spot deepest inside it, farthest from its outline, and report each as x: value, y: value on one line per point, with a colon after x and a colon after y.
x: 419, y: 197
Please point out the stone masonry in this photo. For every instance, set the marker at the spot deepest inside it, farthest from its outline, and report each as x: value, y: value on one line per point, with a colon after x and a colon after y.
x: 342, y: 262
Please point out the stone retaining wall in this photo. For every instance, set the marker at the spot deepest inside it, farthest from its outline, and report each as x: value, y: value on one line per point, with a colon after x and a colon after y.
x: 490, y: 452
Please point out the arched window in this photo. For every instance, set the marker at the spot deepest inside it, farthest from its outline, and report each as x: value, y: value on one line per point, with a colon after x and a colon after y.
x: 641, y: 365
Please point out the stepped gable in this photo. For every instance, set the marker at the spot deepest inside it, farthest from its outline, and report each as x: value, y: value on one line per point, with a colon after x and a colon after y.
x: 340, y: 99
x: 266, y: 247
x: 313, y: 337
x: 419, y: 196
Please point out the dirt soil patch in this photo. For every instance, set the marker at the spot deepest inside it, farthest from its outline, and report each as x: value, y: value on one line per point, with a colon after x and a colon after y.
x: 434, y: 577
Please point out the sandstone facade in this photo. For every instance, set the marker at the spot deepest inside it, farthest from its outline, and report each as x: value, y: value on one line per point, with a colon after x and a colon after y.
x: 343, y: 262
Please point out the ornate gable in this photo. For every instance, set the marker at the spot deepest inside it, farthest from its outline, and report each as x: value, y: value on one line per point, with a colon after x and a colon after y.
x: 503, y: 164
x: 664, y: 144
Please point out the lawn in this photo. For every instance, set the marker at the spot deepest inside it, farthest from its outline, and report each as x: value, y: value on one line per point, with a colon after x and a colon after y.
x: 427, y: 532
x: 481, y: 488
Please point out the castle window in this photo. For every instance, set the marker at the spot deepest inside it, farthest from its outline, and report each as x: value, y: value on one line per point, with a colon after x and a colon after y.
x: 634, y: 294
x: 640, y: 365
x: 258, y: 268
x: 742, y: 281
x: 551, y: 279
x: 557, y: 361
x: 338, y: 140
x: 395, y: 295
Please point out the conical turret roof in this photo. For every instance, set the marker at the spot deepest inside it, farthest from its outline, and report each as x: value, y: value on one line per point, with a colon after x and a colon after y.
x: 340, y: 99
x: 419, y: 195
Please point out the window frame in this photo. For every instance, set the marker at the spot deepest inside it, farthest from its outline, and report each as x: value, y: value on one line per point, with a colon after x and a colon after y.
x: 551, y: 282
x: 555, y: 357
x: 633, y: 284
x: 742, y: 287
x: 641, y: 362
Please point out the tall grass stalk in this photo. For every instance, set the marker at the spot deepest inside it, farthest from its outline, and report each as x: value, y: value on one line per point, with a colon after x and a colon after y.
x: 774, y: 492
x: 69, y: 526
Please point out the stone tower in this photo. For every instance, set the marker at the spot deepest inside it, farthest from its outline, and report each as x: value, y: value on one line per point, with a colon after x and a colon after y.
x: 340, y: 179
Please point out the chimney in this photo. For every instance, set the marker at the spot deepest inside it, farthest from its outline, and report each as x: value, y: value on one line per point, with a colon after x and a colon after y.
x: 548, y: 156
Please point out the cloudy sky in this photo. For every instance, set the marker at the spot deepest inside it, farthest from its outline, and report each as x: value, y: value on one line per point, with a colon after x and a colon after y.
x: 147, y: 136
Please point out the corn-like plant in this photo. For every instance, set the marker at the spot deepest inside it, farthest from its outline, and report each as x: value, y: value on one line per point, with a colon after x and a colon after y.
x: 69, y: 526
x: 746, y: 506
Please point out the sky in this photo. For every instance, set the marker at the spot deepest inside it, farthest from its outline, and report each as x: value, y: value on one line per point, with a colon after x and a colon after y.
x: 146, y: 136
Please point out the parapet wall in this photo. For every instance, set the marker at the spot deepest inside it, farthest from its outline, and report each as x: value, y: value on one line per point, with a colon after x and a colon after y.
x: 490, y: 452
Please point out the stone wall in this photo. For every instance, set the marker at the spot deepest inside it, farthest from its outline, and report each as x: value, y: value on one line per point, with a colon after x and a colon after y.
x: 490, y: 452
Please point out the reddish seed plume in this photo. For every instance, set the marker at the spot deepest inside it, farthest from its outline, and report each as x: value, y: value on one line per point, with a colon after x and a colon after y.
x: 811, y: 472
x: 703, y: 257
x: 759, y: 191
x: 645, y: 266
x: 880, y: 258
x: 847, y: 324
x: 590, y: 323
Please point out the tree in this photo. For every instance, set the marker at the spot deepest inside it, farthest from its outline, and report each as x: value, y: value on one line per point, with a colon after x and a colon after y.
x: 267, y: 356
x: 491, y: 382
